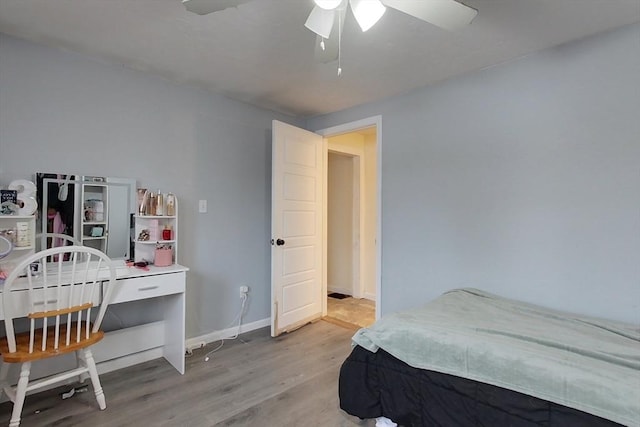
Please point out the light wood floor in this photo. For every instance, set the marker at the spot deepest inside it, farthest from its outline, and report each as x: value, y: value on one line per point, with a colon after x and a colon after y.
x: 291, y: 380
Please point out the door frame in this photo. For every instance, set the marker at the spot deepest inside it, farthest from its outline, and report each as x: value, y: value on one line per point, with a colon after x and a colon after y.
x: 336, y: 130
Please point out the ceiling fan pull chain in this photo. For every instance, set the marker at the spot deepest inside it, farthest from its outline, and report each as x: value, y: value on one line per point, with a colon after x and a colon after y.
x: 339, y: 45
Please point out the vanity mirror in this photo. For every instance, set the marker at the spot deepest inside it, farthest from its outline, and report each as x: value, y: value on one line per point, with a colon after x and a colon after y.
x: 95, y: 211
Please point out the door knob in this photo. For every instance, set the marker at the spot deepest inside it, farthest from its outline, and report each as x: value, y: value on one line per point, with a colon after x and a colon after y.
x: 279, y: 242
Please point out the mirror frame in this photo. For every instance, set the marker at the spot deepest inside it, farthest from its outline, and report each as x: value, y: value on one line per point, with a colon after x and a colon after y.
x: 129, y: 184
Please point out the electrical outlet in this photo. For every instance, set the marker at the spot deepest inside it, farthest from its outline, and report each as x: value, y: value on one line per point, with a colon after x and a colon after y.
x: 243, y: 291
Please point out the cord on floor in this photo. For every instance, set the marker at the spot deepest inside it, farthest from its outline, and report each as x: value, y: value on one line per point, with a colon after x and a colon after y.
x: 238, y: 318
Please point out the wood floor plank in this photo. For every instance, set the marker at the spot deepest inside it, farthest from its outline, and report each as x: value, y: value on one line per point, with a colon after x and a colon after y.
x: 254, y: 380
x: 311, y: 403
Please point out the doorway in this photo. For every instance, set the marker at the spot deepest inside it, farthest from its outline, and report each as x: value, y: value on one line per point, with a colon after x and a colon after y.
x: 299, y: 220
x: 351, y: 227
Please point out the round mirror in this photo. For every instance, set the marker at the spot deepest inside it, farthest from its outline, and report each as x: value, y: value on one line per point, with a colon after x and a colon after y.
x: 5, y: 247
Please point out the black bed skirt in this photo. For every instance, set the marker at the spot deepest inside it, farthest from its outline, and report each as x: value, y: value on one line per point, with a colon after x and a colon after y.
x: 377, y: 384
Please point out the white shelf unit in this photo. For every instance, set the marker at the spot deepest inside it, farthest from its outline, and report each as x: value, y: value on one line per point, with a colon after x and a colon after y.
x: 24, y: 241
x: 154, y: 225
x: 94, y: 216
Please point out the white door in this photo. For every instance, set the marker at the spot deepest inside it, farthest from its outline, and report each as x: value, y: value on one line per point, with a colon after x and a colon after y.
x: 296, y: 227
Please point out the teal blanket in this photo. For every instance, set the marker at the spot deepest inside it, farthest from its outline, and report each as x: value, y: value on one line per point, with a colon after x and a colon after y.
x: 585, y: 363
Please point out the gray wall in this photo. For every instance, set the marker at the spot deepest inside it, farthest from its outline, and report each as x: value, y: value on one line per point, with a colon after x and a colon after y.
x: 522, y: 179
x: 66, y: 112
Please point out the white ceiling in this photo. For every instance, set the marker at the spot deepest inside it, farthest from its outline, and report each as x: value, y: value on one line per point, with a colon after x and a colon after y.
x: 261, y: 53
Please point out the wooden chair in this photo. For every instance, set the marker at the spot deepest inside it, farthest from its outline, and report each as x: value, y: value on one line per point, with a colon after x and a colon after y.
x: 57, y: 299
x: 52, y: 240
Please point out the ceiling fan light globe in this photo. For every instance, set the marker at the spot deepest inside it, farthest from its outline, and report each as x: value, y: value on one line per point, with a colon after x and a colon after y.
x: 328, y: 4
x: 367, y: 12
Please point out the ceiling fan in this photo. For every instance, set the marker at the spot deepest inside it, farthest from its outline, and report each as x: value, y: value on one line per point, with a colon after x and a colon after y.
x: 327, y: 16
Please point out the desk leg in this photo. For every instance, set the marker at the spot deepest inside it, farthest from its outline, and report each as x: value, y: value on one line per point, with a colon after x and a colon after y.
x: 174, y: 330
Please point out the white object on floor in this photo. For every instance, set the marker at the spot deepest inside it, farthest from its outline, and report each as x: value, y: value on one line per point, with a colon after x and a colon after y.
x: 385, y: 422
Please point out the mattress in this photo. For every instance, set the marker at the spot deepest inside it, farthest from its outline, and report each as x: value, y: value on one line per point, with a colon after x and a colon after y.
x: 592, y: 365
x: 373, y: 385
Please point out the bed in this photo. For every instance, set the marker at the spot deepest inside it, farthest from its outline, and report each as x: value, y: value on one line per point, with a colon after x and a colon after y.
x: 471, y: 358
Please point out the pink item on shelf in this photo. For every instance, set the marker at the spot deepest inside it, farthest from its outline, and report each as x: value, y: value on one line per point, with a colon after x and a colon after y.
x: 154, y: 234
x: 163, y: 258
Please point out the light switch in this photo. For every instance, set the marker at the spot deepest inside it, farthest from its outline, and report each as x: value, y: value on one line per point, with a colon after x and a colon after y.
x: 202, y: 206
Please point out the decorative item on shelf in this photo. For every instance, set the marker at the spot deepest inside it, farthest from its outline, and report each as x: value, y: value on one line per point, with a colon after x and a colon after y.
x: 142, y: 201
x: 24, y: 187
x: 6, y: 246
x: 151, y: 205
x: 94, y: 210
x: 167, y: 232
x: 27, y: 205
x: 98, y: 210
x: 171, y: 204
x: 9, y: 202
x: 159, y: 204
x: 153, y: 230
x: 9, y: 208
x: 163, y: 256
x: 23, y: 234
x: 25, y: 196
x: 97, y: 231
x: 9, y: 196
x: 143, y: 236
x: 9, y: 234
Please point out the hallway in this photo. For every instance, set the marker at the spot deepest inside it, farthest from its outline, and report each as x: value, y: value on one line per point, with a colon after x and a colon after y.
x: 358, y: 312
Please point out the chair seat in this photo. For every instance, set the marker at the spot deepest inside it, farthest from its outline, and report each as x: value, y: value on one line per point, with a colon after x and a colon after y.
x: 22, y: 344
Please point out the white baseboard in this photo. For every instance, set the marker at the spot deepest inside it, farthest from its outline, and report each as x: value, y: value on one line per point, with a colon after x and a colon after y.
x: 130, y: 360
x: 370, y: 296
x: 195, y: 342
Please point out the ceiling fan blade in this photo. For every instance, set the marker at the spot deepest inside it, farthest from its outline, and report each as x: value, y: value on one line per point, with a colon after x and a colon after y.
x: 446, y: 14
x: 330, y: 51
x: 367, y: 12
x: 320, y: 21
x: 204, y: 7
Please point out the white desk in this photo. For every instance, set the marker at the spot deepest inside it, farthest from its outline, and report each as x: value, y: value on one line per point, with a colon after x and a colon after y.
x: 163, y: 338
